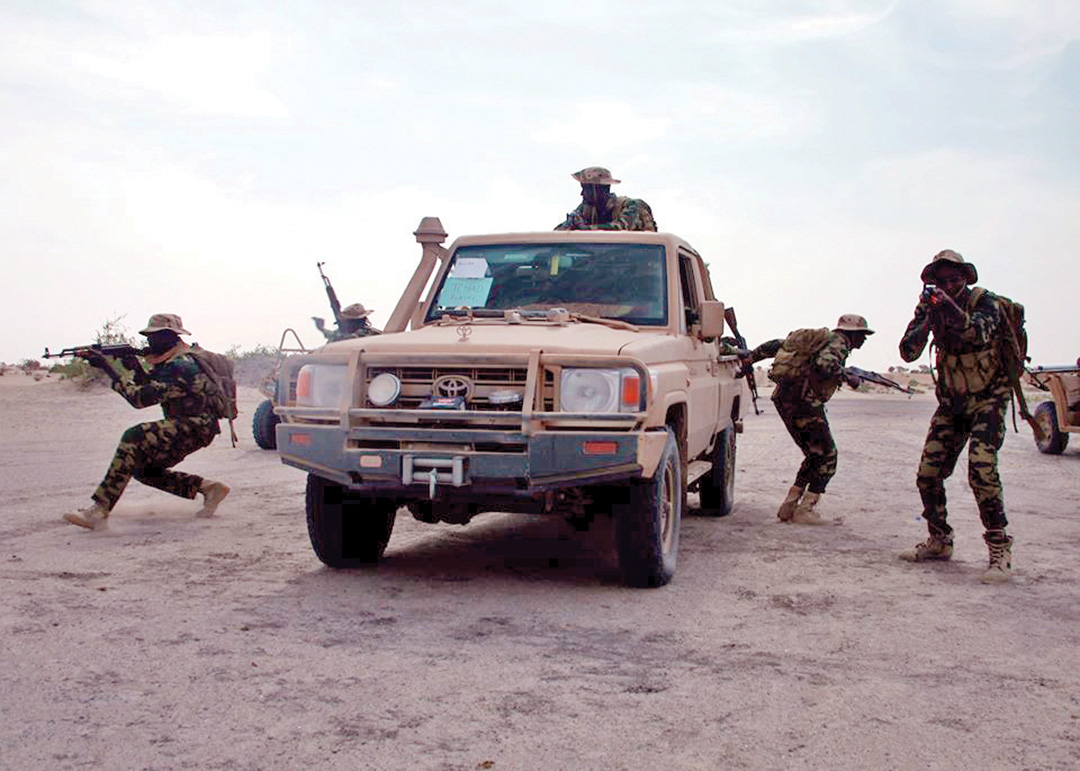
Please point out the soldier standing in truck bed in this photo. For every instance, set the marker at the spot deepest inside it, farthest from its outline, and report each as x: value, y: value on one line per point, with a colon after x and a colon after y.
x: 600, y: 209
x: 808, y: 367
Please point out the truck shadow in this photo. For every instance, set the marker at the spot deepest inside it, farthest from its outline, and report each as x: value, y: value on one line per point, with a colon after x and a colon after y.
x: 497, y: 545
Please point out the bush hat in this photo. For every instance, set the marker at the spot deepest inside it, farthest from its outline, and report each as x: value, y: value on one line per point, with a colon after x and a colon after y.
x: 159, y: 322
x: 355, y: 311
x: 594, y: 175
x: 853, y: 322
x: 948, y: 256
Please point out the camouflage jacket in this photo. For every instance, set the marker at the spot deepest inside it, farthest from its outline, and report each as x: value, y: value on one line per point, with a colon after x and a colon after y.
x: 333, y: 335
x: 968, y: 358
x: 178, y: 385
x: 626, y: 214
x: 827, y: 373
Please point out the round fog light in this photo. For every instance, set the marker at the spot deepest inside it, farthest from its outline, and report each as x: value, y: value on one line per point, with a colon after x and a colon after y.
x: 384, y: 389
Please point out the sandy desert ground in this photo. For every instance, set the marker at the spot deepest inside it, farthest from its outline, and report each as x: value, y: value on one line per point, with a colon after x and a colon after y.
x: 167, y: 642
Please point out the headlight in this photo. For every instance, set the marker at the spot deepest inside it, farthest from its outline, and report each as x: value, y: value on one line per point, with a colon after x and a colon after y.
x: 600, y: 390
x: 384, y: 389
x: 320, y: 385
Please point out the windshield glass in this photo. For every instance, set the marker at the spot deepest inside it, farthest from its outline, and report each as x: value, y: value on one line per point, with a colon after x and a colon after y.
x: 615, y: 281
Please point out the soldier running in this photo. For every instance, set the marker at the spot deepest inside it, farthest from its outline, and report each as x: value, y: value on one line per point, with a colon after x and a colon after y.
x: 973, y: 389
x: 148, y: 451
x: 808, y: 367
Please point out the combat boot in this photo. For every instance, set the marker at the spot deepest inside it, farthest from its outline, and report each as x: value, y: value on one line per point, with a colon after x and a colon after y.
x: 787, y: 508
x: 804, y: 513
x: 94, y: 517
x: 1000, y: 570
x: 933, y: 548
x: 213, y: 494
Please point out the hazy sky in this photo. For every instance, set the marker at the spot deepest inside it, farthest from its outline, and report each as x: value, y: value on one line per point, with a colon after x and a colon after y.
x: 199, y: 158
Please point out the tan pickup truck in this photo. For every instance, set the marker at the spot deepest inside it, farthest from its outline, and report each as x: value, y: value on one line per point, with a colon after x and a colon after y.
x: 575, y: 373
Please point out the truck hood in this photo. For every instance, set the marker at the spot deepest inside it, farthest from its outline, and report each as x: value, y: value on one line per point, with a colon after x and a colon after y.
x: 520, y: 339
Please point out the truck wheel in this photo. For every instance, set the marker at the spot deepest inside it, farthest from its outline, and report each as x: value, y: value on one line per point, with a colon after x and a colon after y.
x: 263, y: 424
x: 647, y: 531
x: 1055, y: 439
x: 717, y: 488
x: 347, y: 532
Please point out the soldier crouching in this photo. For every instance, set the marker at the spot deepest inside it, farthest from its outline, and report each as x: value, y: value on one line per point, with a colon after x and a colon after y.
x: 148, y: 451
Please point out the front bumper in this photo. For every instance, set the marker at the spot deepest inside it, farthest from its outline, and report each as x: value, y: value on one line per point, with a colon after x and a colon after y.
x: 520, y: 465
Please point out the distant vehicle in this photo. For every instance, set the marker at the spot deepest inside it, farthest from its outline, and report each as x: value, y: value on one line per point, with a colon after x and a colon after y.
x: 574, y: 372
x: 1060, y: 417
x: 265, y: 420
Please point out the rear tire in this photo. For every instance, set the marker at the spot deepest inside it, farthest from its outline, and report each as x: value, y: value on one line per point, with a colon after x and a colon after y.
x: 647, y: 530
x: 346, y: 531
x: 717, y: 488
x: 1055, y: 440
x: 264, y: 425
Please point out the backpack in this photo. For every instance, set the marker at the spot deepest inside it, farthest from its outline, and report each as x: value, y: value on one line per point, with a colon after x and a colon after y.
x: 222, y: 398
x: 797, y: 358
x: 1012, y: 345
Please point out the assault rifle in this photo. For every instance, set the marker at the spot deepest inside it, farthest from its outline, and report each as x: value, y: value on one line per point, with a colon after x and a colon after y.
x: 335, y: 304
x: 747, y: 367
x: 873, y: 377
x: 116, y: 351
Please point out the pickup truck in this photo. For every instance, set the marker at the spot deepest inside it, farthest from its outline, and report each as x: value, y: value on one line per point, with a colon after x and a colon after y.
x: 578, y: 373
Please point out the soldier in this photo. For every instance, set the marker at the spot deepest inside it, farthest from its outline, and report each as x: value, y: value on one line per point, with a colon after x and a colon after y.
x: 808, y: 367
x: 972, y: 391
x: 601, y: 209
x: 149, y: 450
x: 354, y: 323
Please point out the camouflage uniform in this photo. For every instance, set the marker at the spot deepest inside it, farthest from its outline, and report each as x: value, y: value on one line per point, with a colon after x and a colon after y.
x: 147, y: 451
x: 624, y: 214
x: 801, y: 405
x: 619, y: 212
x: 972, y: 392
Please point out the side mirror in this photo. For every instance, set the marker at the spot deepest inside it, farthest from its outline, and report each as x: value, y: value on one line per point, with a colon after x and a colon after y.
x: 712, y: 320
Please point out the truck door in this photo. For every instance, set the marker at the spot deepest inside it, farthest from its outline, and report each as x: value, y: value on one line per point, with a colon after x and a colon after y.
x: 700, y: 363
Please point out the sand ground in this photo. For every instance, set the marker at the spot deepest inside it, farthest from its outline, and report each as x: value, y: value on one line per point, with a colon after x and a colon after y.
x: 167, y: 642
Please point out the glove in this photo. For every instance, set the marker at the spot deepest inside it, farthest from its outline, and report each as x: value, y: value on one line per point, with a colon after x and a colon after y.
x: 852, y: 380
x: 94, y: 358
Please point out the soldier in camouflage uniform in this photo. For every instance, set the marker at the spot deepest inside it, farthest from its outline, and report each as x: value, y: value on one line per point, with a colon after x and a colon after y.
x: 800, y: 402
x: 149, y: 450
x: 601, y: 209
x: 973, y: 389
x: 354, y: 323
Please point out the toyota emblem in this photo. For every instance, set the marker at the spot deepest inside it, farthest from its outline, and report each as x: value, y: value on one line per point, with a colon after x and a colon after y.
x: 452, y: 386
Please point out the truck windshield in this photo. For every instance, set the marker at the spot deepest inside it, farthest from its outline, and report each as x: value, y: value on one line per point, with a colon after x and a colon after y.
x: 616, y: 281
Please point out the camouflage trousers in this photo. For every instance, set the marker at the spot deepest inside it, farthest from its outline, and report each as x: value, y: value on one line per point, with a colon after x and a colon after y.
x: 809, y: 427
x: 149, y: 450
x: 979, y: 422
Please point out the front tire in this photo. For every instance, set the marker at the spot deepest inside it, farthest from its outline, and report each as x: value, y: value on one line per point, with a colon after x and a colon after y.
x: 647, y: 530
x: 1055, y: 440
x: 263, y: 425
x: 717, y: 488
x: 346, y: 531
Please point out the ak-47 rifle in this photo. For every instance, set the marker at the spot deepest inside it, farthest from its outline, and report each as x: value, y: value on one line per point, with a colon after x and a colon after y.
x: 335, y: 304
x: 747, y: 367
x: 117, y: 351
x: 874, y: 377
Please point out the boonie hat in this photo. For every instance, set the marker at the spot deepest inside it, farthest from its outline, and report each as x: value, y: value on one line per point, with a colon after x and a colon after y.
x: 948, y: 256
x: 594, y: 175
x: 853, y: 322
x: 355, y: 311
x: 162, y: 321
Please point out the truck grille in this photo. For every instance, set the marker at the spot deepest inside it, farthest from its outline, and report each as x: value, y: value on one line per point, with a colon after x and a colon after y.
x: 475, y: 383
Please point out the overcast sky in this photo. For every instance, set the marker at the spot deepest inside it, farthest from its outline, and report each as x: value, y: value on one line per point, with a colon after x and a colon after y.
x: 199, y: 158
